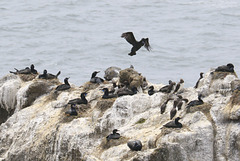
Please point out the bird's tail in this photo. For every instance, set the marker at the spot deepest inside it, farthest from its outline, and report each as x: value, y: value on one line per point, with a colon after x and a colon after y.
x: 58, y: 73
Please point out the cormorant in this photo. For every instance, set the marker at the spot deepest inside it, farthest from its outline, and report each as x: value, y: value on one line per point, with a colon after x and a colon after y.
x: 136, y: 44
x: 173, y: 112
x: 27, y: 70
x: 195, y: 102
x: 151, y: 90
x: 46, y: 75
x: 174, y: 124
x: 125, y: 91
x: 64, y: 86
x: 79, y: 101
x: 201, y: 76
x: 167, y: 88
x: 135, y: 145
x: 114, y: 135
x: 72, y: 111
x: 178, y: 85
x: 225, y: 68
x: 95, y: 79
x: 106, y: 94
x: 164, y: 105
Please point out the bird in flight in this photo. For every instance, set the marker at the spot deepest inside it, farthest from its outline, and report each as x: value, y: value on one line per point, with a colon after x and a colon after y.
x: 136, y: 44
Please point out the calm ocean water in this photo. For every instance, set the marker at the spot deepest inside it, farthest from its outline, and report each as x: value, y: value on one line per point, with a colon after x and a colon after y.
x: 80, y: 36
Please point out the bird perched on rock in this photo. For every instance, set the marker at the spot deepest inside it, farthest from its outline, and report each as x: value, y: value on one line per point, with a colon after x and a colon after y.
x: 136, y: 44
x: 95, y: 79
x: 79, y: 101
x: 151, y: 90
x: 125, y: 91
x: 135, y: 145
x: 167, y: 88
x: 178, y: 86
x: 225, y: 68
x: 195, y: 102
x: 64, y: 86
x: 164, y: 105
x: 174, y: 123
x: 173, y: 112
x: 72, y: 111
x: 180, y: 102
x: 114, y: 135
x: 106, y: 94
x: 47, y: 75
x: 201, y: 76
x: 27, y: 70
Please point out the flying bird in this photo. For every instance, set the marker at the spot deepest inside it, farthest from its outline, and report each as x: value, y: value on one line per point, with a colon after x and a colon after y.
x: 136, y: 44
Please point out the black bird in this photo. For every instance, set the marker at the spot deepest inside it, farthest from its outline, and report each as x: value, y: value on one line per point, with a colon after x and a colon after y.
x: 72, y: 111
x: 225, y: 68
x: 79, y: 101
x: 173, y: 112
x: 106, y: 94
x: 135, y: 145
x: 195, y: 102
x: 174, y: 124
x: 180, y: 103
x: 136, y: 44
x: 27, y: 70
x: 114, y: 135
x: 167, y: 88
x: 47, y: 75
x: 151, y: 90
x: 64, y: 86
x: 178, y: 85
x: 164, y: 105
x: 95, y: 79
x: 201, y: 76
x: 125, y: 91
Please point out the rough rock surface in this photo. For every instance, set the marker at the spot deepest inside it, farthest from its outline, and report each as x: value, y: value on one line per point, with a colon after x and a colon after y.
x: 131, y: 78
x: 35, y: 126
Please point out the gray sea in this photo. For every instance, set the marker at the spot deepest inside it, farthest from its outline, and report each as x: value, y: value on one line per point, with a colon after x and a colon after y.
x: 78, y: 37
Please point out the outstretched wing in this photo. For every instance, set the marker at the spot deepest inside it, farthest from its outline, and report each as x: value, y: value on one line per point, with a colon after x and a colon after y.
x: 146, y: 44
x: 129, y: 37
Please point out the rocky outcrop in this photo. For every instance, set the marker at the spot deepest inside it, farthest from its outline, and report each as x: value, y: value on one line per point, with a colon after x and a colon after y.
x: 36, y: 127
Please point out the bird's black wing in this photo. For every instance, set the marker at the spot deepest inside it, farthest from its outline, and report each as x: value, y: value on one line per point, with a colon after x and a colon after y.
x: 129, y: 37
x: 146, y: 44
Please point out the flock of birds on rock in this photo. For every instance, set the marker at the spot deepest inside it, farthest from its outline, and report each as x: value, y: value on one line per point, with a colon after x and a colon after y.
x: 117, y: 91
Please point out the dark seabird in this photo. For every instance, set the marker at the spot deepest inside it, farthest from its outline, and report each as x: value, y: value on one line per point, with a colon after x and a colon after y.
x: 151, y: 90
x: 195, y: 102
x: 64, y: 86
x: 95, y: 79
x: 79, y: 101
x: 167, y: 88
x: 125, y: 91
x: 114, y: 135
x: 27, y: 70
x: 173, y: 112
x: 135, y: 145
x: 72, y: 111
x: 201, y: 76
x: 174, y: 124
x: 180, y: 103
x: 178, y: 85
x: 225, y: 68
x: 47, y: 75
x: 164, y: 105
x: 106, y: 94
x: 136, y: 44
